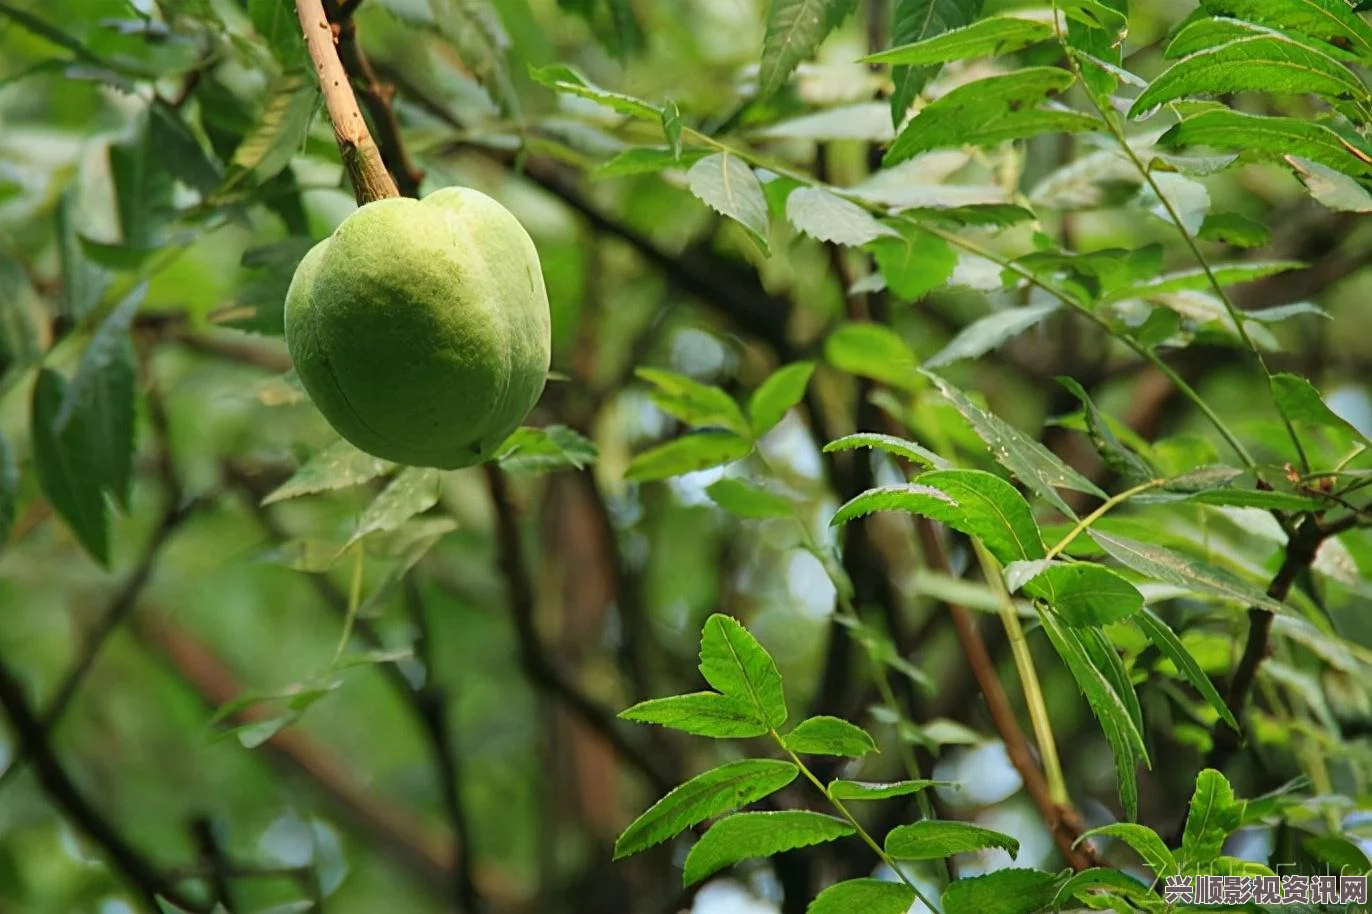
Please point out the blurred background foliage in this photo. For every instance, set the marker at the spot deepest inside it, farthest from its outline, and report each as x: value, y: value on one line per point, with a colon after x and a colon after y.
x: 182, y: 141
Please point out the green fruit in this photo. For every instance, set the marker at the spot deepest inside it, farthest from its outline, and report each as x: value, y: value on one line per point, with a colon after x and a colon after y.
x: 420, y: 328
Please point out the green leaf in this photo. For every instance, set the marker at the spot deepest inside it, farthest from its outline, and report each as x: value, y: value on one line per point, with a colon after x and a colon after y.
x: 931, y: 839
x: 872, y: 351
x: 732, y: 661
x: 1116, y: 720
x: 1162, y: 564
x: 991, y: 111
x: 474, y: 29
x: 1085, y: 594
x: 1106, y: 658
x: 1331, y: 188
x: 1170, y: 646
x: 562, y: 78
x: 292, y: 100
x: 1094, y: 34
x: 989, y: 37
x: 890, y: 444
x: 640, y: 160
x: 918, y: 20
x: 745, y: 500
x: 82, y: 281
x: 727, y: 185
x: 1213, y: 816
x: 826, y: 216
x: 1112, y: 451
x: 687, y: 454
x: 413, y: 491
x: 1036, y: 466
x: 990, y: 332
x: 872, y: 790
x: 869, y: 896
x: 1328, y: 20
x: 1227, y: 274
x: 794, y: 31
x: 1299, y: 401
x: 829, y: 736
x: 276, y: 24
x: 1006, y: 891
x: 705, y: 796
x: 1271, y: 62
x: 758, y: 834
x: 1145, y: 843
x: 102, y: 391
x: 775, y: 397
x: 1273, y: 138
x: 67, y: 466
x: 1112, y: 882
x: 700, y: 714
x: 909, y: 497
x: 543, y: 450
x: 1237, y: 230
x: 915, y: 264
x: 698, y: 405
x: 9, y: 488
x: 142, y: 189
x: 336, y: 467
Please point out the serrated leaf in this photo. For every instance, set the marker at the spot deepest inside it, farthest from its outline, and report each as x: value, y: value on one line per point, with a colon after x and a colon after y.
x: 1114, y: 882
x: 1196, y: 279
x: 687, y: 454
x: 82, y: 281
x: 1170, y: 646
x: 826, y: 735
x: 909, y: 497
x: 742, y: 499
x: 1126, y: 742
x: 890, y: 444
x: 1085, y: 594
x: 1036, y: 466
x: 775, y: 397
x: 1328, y: 20
x: 562, y: 78
x: 1116, y: 456
x: 413, y: 491
x: 1271, y: 62
x: 543, y: 450
x: 758, y: 834
x: 990, y: 332
x: 918, y: 20
x: 641, y: 160
x: 1145, y: 843
x: 875, y: 790
x: 476, y: 32
x: 700, y: 714
x: 728, y: 186
x: 794, y: 31
x: 261, y: 295
x: 869, y: 896
x: 705, y: 796
x: 698, y: 405
x: 828, y: 217
x: 102, y: 391
x: 733, y: 662
x: 1331, y: 188
x: 1262, y: 137
x: 931, y: 839
x: 66, y: 466
x: 915, y: 264
x: 1169, y: 567
x: 336, y: 467
x: 989, y: 37
x: 991, y: 111
x: 292, y: 101
x: 1299, y: 401
x: 1212, y: 816
x: 1007, y: 891
x: 873, y: 351
x: 142, y: 188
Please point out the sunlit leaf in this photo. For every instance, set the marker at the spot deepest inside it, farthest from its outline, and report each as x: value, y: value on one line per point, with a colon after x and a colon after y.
x: 829, y: 736
x: 687, y: 454
x: 743, y: 499
x: 732, y: 661
x: 758, y: 834
x: 828, y: 217
x: 774, y: 397
x: 338, y: 466
x: 870, y: 896
x: 918, y: 20
x: 727, y: 185
x: 794, y: 30
x: 701, y: 714
x: 1006, y: 891
x: 412, y: 491
x: 931, y: 839
x: 990, y: 332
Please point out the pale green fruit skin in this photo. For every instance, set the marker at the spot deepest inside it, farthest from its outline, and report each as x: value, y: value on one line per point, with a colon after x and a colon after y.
x: 420, y: 328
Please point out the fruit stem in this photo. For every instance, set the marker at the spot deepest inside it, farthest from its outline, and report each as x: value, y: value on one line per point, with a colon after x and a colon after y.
x: 360, y: 154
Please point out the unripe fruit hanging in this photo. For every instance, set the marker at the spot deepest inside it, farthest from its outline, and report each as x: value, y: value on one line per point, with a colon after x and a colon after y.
x: 420, y: 329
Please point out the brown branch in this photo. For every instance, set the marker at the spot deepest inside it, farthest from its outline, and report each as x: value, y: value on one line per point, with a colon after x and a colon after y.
x: 361, y: 157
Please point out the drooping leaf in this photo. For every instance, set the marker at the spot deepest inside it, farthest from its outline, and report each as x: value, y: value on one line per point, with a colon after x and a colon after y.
x: 826, y: 735
x: 1007, y: 891
x: 742, y: 499
x: 1085, y: 594
x: 732, y: 661
x: 991, y: 111
x: 713, y: 793
x: 870, y: 790
x: 1170, y: 567
x: 758, y: 834
x: 66, y: 466
x: 873, y: 351
x: 870, y: 896
x: 918, y: 20
x: 794, y: 31
x: 562, y: 78
x: 1213, y: 815
x: 916, y: 263
x: 990, y: 332
x: 338, y: 466
x: 413, y: 491
x: 828, y: 217
x: 83, y: 282
x: 698, y: 405
x: 687, y: 454
x: 897, y: 447
x: 775, y: 397
x: 989, y: 37
x: 930, y: 839
x: 1301, y: 402
x: 1272, y: 138
x: 1166, y: 641
x: 1145, y: 843
x: 700, y: 714
x: 727, y: 185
